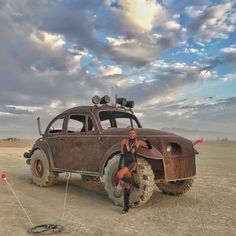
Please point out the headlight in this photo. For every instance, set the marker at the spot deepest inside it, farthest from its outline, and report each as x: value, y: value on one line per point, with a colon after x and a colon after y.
x: 169, y: 148
x: 173, y: 149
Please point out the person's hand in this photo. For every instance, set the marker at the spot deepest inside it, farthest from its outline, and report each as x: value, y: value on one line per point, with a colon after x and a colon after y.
x: 148, y: 143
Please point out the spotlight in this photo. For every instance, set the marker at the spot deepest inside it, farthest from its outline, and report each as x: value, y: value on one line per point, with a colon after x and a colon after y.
x: 121, y: 101
x: 95, y: 100
x: 105, y: 99
x: 130, y: 104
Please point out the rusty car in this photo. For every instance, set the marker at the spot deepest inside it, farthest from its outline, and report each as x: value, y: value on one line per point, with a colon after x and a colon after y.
x: 87, y: 139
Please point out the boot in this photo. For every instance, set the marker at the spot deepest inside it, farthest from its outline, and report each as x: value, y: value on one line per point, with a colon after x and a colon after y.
x: 126, y: 201
x: 130, y: 181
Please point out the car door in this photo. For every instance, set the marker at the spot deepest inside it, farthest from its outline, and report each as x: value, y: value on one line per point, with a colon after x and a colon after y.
x: 79, y: 144
x: 54, y: 138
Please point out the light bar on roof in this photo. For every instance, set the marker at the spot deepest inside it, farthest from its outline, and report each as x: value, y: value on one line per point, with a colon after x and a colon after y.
x: 105, y: 99
x: 130, y: 104
x: 121, y: 101
x: 95, y: 99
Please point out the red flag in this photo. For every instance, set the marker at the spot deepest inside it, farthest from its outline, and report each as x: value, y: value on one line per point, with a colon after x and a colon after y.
x: 198, y: 141
x: 3, y: 176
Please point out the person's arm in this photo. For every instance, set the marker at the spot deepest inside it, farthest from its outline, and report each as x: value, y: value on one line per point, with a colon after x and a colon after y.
x: 145, y: 144
x: 142, y: 144
x: 148, y: 144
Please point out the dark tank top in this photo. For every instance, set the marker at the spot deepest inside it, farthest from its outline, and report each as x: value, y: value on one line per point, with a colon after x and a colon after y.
x: 130, y: 156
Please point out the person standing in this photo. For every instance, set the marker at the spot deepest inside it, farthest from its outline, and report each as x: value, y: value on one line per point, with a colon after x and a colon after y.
x: 129, y: 147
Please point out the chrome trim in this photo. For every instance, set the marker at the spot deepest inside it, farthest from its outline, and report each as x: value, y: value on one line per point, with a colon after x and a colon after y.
x: 169, y: 180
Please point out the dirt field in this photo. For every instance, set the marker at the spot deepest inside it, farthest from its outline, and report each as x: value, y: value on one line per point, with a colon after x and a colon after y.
x: 209, y: 208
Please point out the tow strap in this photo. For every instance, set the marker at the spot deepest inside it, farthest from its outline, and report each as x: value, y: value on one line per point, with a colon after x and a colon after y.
x: 44, y: 229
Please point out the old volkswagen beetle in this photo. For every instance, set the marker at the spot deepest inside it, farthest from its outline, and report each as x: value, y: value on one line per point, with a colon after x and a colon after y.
x: 86, y: 140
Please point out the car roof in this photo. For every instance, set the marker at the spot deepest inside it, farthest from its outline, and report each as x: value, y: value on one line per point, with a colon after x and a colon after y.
x: 95, y: 108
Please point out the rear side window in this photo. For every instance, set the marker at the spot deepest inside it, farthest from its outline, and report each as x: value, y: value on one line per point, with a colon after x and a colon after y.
x: 56, y: 126
x: 80, y: 124
x: 76, y: 124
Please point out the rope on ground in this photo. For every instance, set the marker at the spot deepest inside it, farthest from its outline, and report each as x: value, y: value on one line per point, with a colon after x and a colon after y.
x: 68, y: 175
x: 18, y: 200
x: 45, y: 229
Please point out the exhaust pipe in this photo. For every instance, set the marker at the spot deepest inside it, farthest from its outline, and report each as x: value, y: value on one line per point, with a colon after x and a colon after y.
x: 39, y: 126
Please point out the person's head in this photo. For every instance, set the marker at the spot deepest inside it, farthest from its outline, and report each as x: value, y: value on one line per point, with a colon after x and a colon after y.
x: 132, y: 133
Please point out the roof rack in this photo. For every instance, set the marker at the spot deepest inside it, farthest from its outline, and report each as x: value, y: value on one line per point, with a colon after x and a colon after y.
x: 119, y: 102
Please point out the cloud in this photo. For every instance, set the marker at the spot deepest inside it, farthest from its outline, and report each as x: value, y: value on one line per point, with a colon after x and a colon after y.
x: 130, y: 36
x: 205, y: 113
x: 207, y: 63
x: 172, y: 25
x: 228, y: 77
x: 139, y: 15
x: 45, y: 39
x: 160, y: 79
x: 145, y: 29
x: 141, y: 50
x: 230, y: 54
x: 110, y: 70
x: 191, y: 50
x: 195, y: 11
x: 15, y: 110
x: 209, y: 22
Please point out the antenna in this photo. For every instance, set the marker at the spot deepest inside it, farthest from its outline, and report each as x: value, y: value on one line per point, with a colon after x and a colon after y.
x: 115, y: 99
x: 112, y: 94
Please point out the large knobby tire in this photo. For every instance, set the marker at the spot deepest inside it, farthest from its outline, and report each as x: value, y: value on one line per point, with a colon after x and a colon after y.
x: 144, y: 176
x: 175, y: 187
x: 41, y: 172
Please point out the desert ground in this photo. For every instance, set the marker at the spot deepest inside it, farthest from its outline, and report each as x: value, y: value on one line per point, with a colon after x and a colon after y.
x: 209, y: 208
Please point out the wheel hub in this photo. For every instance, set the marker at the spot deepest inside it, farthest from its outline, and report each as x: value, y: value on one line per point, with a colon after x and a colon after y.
x: 38, y: 167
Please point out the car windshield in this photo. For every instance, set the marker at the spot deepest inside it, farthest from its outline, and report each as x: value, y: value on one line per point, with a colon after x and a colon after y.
x: 117, y: 119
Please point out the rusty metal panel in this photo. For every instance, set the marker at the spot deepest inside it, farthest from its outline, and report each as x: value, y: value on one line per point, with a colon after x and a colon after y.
x: 106, y: 146
x: 179, y: 167
x: 153, y: 153
x: 75, y: 152
x: 181, y: 164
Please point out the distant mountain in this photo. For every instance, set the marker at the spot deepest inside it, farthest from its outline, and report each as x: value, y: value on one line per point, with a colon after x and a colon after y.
x: 205, y: 134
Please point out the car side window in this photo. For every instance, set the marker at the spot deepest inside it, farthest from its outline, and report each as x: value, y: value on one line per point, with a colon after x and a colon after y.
x: 76, y: 124
x: 56, y: 126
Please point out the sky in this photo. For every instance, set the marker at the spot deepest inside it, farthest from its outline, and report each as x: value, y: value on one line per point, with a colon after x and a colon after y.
x: 175, y: 59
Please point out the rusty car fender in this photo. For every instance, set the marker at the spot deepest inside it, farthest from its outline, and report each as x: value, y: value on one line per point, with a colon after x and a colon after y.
x: 149, y: 153
x: 43, y: 145
x: 153, y: 154
x: 155, y: 159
